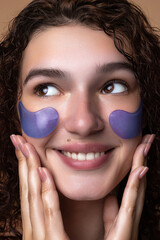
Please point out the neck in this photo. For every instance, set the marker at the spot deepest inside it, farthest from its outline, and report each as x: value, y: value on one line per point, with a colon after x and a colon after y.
x: 83, y: 219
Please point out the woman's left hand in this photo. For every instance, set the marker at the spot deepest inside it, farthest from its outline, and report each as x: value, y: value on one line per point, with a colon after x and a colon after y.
x: 123, y: 223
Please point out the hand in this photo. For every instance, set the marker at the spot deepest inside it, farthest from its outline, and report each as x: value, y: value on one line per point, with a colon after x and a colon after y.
x: 41, y: 216
x: 123, y: 223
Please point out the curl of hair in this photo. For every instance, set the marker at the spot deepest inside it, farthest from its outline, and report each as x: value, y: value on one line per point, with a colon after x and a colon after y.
x: 129, y: 28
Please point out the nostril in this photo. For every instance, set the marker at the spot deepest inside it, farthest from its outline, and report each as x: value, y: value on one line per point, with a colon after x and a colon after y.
x: 83, y: 120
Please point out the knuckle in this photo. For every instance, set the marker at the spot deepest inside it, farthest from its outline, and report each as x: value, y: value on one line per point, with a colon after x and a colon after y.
x: 20, y: 157
x: 49, y: 212
x: 46, y: 188
x: 132, y: 188
x: 129, y: 209
x: 32, y: 195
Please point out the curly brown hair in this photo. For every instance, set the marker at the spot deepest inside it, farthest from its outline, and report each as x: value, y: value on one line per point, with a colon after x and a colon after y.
x: 129, y: 28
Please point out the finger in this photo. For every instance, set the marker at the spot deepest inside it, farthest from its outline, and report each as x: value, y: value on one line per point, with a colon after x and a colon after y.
x: 110, y: 212
x: 126, y: 215
x: 139, y: 207
x: 52, y: 213
x: 34, y: 191
x: 139, y: 159
x: 142, y: 151
x: 23, y: 182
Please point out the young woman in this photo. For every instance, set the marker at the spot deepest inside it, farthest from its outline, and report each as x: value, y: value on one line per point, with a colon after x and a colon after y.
x: 80, y: 98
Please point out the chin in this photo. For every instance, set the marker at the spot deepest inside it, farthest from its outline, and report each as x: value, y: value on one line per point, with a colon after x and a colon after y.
x: 83, y: 196
x: 85, y: 193
x: 89, y: 188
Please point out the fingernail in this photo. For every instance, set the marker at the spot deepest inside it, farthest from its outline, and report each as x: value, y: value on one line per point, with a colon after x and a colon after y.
x: 148, y: 145
x: 143, y: 172
x: 152, y: 137
x: 42, y: 174
x: 145, y: 139
x: 14, y: 141
x: 24, y: 149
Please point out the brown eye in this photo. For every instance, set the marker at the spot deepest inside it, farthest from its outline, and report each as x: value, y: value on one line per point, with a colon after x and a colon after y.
x: 42, y: 90
x: 46, y: 90
x: 114, y: 87
x: 108, y: 88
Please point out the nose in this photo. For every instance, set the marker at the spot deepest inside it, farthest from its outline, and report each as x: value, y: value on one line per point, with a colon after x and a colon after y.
x: 83, y: 117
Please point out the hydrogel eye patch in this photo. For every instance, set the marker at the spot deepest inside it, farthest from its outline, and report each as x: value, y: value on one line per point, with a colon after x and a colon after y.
x: 126, y: 125
x: 38, y: 124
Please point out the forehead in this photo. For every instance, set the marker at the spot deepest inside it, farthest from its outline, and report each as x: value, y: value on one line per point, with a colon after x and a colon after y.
x: 70, y: 48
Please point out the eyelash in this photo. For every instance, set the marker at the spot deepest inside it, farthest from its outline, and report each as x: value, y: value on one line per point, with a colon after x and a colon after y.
x: 38, y: 87
x: 44, y: 85
x: 125, y: 84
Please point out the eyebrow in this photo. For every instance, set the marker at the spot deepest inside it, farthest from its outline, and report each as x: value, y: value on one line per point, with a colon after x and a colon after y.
x: 57, y: 73
x: 46, y: 72
x: 114, y: 66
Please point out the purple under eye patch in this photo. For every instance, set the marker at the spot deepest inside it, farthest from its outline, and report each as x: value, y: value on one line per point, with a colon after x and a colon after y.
x: 126, y: 125
x: 38, y: 124
x: 41, y: 123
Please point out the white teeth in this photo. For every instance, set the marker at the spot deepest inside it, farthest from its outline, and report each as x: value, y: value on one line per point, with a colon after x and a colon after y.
x: 83, y: 156
x: 90, y: 156
x: 69, y: 154
x: 97, y: 155
x: 74, y: 156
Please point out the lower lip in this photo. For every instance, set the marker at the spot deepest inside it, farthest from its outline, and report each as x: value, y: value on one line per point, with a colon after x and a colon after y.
x: 86, y: 164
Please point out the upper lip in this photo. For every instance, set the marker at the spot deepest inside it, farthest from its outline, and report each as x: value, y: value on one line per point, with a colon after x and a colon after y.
x: 85, y: 148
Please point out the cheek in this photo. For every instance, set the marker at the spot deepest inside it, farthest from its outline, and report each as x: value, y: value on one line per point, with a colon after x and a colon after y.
x: 126, y: 125
x: 38, y: 124
x: 127, y: 151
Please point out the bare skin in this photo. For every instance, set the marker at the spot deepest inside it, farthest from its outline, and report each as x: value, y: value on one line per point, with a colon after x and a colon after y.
x: 59, y: 201
x: 41, y: 214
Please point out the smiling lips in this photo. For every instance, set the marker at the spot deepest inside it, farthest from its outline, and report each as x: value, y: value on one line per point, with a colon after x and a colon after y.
x: 85, y: 157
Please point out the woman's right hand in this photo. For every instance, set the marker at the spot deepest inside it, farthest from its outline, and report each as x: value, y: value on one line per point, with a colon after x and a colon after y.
x: 40, y: 210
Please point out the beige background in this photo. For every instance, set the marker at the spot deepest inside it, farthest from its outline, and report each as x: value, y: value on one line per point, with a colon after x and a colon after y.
x: 10, y: 8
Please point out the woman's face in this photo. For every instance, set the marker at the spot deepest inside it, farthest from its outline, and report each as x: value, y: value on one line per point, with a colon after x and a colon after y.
x: 85, y: 80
